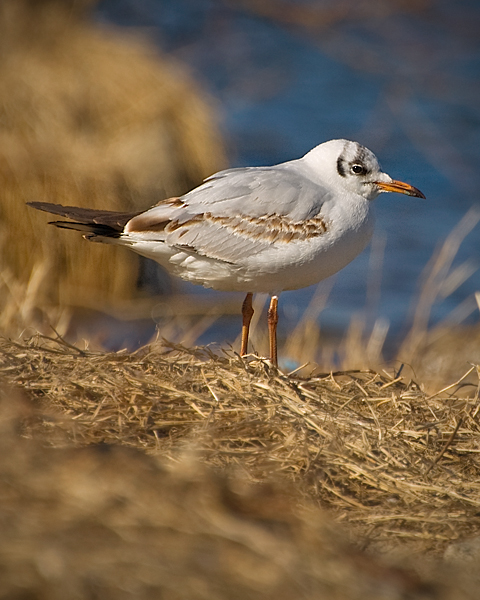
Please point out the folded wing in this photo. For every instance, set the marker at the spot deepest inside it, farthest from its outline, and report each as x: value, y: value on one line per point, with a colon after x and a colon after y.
x: 231, y: 215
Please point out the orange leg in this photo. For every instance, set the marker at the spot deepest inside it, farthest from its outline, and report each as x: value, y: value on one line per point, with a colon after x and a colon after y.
x: 247, y: 314
x: 272, y: 329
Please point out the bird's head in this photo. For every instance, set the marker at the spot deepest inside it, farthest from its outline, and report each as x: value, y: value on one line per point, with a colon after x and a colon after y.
x: 350, y: 166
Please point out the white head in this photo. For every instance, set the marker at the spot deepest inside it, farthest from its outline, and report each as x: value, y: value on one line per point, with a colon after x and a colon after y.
x: 351, y: 166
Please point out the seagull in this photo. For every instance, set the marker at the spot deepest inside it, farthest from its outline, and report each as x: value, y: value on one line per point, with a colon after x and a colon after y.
x: 255, y: 229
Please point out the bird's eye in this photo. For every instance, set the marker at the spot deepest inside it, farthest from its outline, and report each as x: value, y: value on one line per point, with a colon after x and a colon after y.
x: 358, y: 169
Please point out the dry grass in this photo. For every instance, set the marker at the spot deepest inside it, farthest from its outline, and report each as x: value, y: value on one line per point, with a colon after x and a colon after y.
x: 111, y: 522
x: 401, y: 467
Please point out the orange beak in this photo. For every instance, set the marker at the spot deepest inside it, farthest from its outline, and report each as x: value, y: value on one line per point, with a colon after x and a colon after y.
x: 400, y: 187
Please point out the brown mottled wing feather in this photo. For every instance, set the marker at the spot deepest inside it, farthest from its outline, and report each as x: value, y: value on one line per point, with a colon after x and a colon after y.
x: 88, y: 216
x: 240, y: 212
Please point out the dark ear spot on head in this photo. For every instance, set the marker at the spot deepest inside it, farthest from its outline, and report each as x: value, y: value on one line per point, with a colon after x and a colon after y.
x: 341, y: 167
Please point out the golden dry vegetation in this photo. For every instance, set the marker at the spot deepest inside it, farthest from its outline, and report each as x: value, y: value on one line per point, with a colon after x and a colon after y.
x: 90, y: 116
x: 192, y: 475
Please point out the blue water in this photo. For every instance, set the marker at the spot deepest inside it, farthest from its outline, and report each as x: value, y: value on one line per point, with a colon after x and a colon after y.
x: 405, y: 84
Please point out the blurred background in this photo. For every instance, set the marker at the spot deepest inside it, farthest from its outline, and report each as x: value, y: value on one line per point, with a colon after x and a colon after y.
x: 119, y: 103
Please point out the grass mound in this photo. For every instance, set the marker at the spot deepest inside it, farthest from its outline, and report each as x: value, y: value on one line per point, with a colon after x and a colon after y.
x: 400, y: 466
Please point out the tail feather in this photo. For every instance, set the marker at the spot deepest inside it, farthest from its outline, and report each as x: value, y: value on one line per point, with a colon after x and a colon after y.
x: 89, y: 230
x: 89, y: 221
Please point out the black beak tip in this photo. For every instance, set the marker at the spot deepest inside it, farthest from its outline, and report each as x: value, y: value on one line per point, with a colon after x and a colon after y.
x: 418, y: 194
